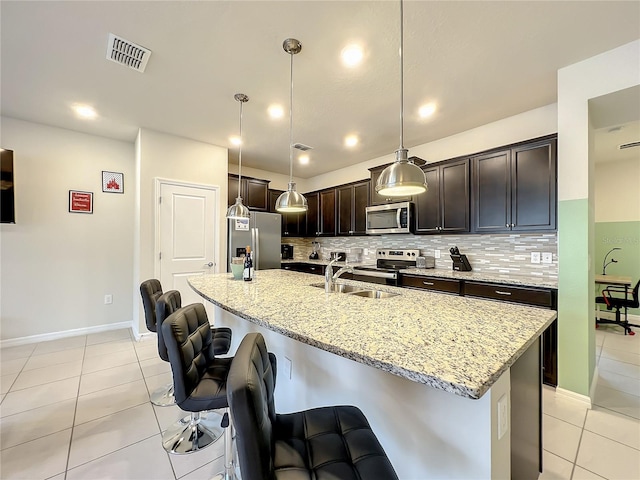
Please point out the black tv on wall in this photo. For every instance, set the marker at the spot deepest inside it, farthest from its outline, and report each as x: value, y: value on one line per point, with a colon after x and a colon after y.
x: 7, y: 202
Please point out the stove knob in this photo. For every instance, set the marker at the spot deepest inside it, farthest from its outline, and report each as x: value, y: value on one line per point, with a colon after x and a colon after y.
x: 413, y: 254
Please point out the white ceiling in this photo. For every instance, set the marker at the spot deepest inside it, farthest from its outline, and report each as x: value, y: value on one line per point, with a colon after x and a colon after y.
x: 479, y: 61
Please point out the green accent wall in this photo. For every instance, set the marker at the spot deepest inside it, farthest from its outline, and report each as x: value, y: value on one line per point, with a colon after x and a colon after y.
x: 624, y: 235
x: 576, y: 300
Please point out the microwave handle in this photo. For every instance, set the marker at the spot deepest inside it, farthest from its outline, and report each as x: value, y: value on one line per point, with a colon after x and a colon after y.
x: 398, y: 216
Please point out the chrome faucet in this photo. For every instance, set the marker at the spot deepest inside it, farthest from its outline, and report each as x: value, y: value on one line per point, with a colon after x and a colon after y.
x: 330, y: 278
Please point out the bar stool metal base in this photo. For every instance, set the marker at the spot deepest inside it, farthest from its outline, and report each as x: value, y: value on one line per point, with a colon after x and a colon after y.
x: 193, y: 433
x: 163, y: 396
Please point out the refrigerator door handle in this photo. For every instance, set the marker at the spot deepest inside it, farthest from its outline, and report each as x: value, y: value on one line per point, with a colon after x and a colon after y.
x: 256, y: 248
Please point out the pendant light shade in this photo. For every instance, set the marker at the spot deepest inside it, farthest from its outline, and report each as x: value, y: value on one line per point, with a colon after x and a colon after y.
x: 238, y: 210
x: 291, y: 201
x: 402, y: 177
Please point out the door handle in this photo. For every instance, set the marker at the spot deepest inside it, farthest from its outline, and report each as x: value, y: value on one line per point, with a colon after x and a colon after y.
x: 210, y: 264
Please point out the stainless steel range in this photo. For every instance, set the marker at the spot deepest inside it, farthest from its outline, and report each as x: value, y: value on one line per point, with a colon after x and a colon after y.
x: 388, y: 263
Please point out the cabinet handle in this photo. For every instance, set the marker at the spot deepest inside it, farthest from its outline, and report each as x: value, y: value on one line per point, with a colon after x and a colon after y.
x: 350, y: 231
x: 513, y: 225
x: 428, y: 283
x: 507, y: 225
x: 499, y: 292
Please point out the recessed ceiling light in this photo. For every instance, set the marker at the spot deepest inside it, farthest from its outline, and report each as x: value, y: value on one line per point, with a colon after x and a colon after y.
x: 235, y: 140
x: 352, y: 55
x: 303, y: 159
x: 427, y: 110
x: 84, y: 111
x: 351, y: 140
x: 275, y: 111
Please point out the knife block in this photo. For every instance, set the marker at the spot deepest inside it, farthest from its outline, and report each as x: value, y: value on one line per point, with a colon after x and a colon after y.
x: 460, y: 263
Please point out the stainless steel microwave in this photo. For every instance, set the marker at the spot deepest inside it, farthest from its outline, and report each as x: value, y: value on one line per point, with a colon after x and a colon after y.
x: 390, y: 218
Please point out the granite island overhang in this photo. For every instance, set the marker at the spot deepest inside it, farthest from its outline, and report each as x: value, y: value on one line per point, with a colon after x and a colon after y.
x: 457, y: 344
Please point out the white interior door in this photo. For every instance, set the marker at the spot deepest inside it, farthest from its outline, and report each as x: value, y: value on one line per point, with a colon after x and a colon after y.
x: 187, y: 235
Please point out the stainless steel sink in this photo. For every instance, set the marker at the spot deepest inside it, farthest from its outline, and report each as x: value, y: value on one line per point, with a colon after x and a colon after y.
x: 373, y: 294
x: 358, y: 291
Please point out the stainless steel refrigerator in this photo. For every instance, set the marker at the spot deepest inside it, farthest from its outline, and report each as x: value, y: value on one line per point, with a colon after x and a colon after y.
x: 262, y: 232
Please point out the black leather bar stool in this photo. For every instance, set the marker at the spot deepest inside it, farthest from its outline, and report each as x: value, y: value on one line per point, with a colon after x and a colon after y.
x: 321, y: 443
x: 151, y: 292
x: 199, y: 379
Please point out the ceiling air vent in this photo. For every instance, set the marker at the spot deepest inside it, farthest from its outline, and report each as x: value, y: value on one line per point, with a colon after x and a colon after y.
x: 628, y: 145
x: 127, y: 53
x: 302, y: 146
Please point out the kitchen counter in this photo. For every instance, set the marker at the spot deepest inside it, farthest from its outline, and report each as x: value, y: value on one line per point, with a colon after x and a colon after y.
x: 457, y: 344
x: 478, y: 276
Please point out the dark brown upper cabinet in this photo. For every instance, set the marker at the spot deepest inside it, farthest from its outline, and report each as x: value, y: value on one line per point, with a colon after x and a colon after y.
x: 444, y: 207
x: 254, y: 192
x: 327, y: 210
x: 375, y: 198
x: 293, y: 224
x: 515, y: 189
x: 312, y: 227
x: 352, y: 203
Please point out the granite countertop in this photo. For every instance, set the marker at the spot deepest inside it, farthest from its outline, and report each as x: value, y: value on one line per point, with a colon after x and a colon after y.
x: 478, y: 276
x: 458, y: 344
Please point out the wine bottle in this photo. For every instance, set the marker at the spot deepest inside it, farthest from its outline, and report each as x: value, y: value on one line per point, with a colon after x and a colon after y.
x: 248, y: 265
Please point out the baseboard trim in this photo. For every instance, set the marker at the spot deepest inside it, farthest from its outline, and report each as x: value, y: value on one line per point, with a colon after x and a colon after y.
x: 44, y: 337
x: 586, y: 400
x: 612, y: 316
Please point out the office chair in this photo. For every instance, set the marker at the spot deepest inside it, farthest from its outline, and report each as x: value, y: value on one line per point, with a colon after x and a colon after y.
x: 618, y: 303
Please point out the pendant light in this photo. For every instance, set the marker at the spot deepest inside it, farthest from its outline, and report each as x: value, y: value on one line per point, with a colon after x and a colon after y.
x: 238, y: 210
x: 291, y: 201
x: 402, y: 177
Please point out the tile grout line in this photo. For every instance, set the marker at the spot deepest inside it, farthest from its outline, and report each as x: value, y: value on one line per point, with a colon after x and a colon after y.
x: 75, y: 410
x: 155, y: 414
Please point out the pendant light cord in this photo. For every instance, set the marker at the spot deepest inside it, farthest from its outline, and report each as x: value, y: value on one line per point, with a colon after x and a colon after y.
x: 291, y: 124
x: 401, y: 78
x: 240, y: 153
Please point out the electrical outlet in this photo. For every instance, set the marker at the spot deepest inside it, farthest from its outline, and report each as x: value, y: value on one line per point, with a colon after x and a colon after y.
x: 436, y: 253
x: 287, y: 367
x: 503, y: 416
x: 535, y: 257
x: 108, y: 299
x: 547, y: 257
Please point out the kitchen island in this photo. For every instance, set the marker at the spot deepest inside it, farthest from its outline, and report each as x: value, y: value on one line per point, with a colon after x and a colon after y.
x: 427, y: 369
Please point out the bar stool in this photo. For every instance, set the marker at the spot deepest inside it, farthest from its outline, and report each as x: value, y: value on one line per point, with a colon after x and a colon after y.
x: 151, y: 292
x: 328, y: 442
x: 199, y: 379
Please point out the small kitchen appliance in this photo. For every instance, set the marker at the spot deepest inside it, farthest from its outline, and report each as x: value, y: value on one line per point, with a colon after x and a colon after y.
x: 426, y: 262
x: 287, y: 251
x: 460, y: 262
x: 314, y: 254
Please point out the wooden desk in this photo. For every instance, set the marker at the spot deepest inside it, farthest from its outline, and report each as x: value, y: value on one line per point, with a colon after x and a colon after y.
x: 620, y: 281
x: 613, y: 280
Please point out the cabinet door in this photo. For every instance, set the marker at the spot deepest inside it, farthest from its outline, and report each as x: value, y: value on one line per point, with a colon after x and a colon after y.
x: 328, y: 212
x: 292, y: 224
x: 533, y: 185
x: 312, y: 228
x: 345, y: 210
x: 492, y: 192
x: 256, y: 194
x: 428, y: 204
x: 360, y: 203
x: 380, y: 199
x: 454, y: 197
x: 232, y: 190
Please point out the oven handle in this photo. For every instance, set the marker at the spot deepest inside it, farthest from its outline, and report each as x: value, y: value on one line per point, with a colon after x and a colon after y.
x: 371, y: 273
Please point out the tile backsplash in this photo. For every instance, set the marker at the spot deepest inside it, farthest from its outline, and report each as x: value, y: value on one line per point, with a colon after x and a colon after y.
x: 509, y: 253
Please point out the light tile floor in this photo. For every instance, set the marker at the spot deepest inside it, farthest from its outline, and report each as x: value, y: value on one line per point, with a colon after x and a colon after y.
x: 78, y: 408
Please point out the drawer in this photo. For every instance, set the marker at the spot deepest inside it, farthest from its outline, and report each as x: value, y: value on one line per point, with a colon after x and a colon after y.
x: 431, y: 283
x: 304, y: 268
x: 538, y: 297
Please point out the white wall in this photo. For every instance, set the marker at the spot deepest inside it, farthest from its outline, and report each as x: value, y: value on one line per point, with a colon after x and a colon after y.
x: 57, y: 266
x: 176, y: 158
x: 534, y: 123
x: 617, y: 191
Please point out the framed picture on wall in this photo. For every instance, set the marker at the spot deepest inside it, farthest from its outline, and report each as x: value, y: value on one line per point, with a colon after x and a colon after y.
x: 112, y: 182
x: 80, y: 202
